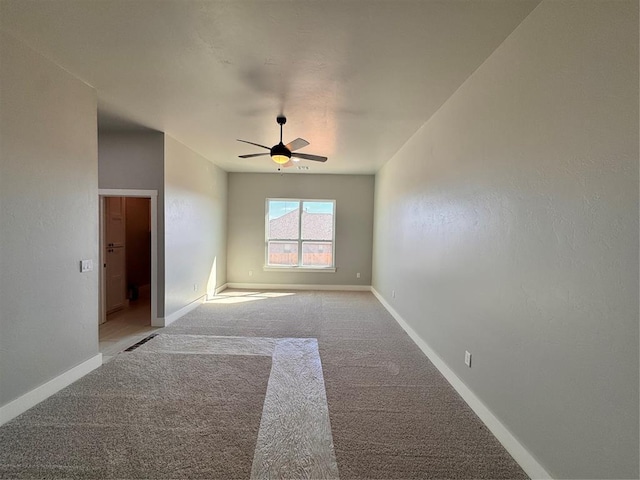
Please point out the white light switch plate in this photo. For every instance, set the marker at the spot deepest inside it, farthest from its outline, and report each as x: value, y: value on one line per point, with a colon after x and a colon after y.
x: 86, y: 266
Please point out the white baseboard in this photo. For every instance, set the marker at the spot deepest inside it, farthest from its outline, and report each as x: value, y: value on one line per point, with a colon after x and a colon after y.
x: 520, y: 454
x: 221, y: 288
x: 297, y: 286
x: 163, y: 322
x: 38, y: 394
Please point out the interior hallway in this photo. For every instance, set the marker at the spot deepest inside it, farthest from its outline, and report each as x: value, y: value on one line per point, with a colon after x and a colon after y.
x: 222, y: 393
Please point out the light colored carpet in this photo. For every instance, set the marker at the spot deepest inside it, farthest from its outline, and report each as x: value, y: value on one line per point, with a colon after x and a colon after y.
x: 392, y: 414
x: 144, y: 416
x: 295, y: 439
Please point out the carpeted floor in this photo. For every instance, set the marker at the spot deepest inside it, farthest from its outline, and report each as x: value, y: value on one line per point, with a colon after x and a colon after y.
x: 144, y: 416
x: 392, y: 415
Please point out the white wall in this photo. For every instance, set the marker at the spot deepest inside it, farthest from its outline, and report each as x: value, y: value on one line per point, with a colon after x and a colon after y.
x: 135, y: 160
x: 49, y: 219
x: 508, y: 226
x: 195, y: 226
x: 354, y: 225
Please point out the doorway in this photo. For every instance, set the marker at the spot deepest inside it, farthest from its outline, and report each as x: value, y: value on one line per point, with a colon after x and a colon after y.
x: 128, y: 277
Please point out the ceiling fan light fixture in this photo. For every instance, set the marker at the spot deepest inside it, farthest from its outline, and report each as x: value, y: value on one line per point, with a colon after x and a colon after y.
x: 280, y: 154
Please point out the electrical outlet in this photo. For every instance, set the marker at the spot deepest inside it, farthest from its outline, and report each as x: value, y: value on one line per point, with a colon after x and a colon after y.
x: 358, y: 275
x: 467, y: 359
x: 195, y: 287
x: 393, y: 293
x: 250, y: 273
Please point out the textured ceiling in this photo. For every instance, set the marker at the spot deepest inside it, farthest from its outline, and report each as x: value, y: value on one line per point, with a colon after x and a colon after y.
x: 354, y: 78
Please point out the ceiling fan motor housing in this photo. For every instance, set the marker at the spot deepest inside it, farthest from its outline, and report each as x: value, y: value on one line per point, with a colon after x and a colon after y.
x: 280, y: 153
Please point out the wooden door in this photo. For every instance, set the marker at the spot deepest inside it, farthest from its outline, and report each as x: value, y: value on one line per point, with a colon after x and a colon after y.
x: 115, y: 254
x: 114, y: 226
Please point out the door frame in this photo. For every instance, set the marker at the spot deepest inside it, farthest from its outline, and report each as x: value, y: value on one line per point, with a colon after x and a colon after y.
x: 152, y: 195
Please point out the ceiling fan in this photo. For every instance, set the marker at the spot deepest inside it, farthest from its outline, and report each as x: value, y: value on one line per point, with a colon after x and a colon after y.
x: 283, y: 154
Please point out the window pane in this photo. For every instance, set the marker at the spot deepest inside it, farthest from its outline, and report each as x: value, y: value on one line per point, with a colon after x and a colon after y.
x: 283, y: 219
x: 317, y: 220
x: 317, y: 254
x: 282, y: 253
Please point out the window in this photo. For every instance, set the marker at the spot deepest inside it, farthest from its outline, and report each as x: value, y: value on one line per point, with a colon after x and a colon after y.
x: 300, y: 233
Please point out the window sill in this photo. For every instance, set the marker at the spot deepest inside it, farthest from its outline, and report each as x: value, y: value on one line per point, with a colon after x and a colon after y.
x: 299, y: 269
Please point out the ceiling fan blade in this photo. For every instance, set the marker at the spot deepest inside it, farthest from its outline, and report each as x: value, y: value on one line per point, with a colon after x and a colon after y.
x: 251, y: 155
x: 306, y: 156
x: 297, y: 144
x: 251, y: 143
x: 288, y: 164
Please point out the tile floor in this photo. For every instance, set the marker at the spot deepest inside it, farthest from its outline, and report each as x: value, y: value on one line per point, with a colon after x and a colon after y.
x: 125, y: 327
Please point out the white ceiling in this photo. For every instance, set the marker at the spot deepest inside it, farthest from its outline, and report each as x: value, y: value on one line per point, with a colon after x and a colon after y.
x: 354, y: 78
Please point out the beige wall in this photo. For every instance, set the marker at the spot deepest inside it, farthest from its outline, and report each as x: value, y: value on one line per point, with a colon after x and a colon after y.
x: 354, y: 224
x: 195, y: 225
x: 49, y: 218
x: 508, y: 226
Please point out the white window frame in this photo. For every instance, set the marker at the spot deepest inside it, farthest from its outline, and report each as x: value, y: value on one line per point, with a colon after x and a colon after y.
x: 299, y: 240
